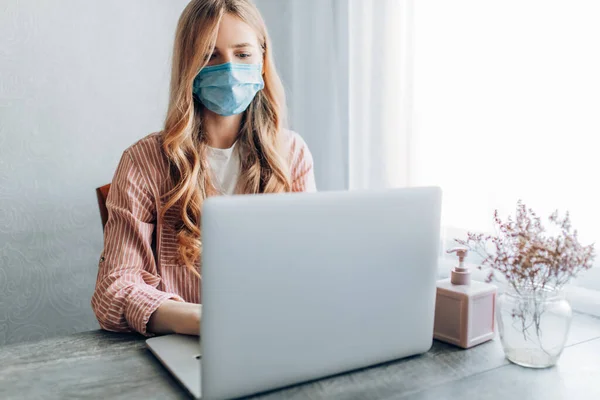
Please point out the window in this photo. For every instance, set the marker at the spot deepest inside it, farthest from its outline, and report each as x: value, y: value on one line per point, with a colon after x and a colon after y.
x: 506, y: 107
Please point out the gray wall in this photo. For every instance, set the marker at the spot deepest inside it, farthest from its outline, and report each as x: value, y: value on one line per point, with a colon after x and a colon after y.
x: 79, y: 82
x: 310, y: 40
x: 82, y: 80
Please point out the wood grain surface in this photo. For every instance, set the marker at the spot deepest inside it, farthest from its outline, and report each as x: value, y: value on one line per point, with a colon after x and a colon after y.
x: 102, y: 365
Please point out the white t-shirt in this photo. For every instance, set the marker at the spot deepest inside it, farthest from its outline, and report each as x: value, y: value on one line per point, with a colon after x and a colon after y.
x: 225, y: 168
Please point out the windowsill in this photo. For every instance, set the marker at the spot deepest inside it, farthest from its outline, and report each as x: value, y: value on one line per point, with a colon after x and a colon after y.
x: 583, y: 300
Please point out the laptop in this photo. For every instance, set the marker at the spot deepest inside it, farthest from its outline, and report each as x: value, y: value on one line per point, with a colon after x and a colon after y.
x: 297, y: 287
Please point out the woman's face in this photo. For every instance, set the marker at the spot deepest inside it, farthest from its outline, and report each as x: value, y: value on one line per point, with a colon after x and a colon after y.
x: 236, y: 43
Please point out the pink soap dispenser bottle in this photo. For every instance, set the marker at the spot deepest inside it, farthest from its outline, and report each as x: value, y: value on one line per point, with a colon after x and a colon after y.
x: 464, y: 309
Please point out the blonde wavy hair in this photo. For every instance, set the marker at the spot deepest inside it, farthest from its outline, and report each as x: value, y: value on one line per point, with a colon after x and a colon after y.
x: 263, y: 166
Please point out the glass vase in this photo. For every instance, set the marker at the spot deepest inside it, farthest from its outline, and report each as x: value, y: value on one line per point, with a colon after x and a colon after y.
x: 533, y: 324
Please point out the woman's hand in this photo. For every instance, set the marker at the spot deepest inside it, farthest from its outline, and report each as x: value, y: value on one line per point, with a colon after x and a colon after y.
x: 176, y: 317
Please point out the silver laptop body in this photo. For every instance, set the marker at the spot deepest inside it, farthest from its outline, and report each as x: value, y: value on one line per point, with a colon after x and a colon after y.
x: 296, y: 287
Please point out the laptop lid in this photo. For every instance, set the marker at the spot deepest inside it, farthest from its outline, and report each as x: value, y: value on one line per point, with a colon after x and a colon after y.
x: 301, y: 286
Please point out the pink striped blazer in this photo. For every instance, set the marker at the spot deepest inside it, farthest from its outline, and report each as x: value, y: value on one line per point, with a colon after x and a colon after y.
x: 138, y: 270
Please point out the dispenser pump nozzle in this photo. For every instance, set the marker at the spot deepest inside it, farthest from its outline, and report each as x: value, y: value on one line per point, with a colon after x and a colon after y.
x: 460, y: 275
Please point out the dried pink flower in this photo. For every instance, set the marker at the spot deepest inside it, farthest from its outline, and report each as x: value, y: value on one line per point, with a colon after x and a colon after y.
x: 526, y: 256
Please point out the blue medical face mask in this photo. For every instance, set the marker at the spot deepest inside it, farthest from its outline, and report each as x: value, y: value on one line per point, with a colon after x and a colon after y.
x: 228, y: 89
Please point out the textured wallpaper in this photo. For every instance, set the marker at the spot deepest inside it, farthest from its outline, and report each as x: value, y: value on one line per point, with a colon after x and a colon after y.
x: 79, y: 82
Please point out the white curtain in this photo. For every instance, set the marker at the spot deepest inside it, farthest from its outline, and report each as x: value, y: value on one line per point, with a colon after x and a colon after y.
x: 318, y: 89
x: 310, y: 40
x: 380, y: 49
x: 346, y: 67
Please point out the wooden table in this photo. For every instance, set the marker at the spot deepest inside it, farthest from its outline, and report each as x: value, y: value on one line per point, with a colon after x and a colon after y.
x: 105, y: 365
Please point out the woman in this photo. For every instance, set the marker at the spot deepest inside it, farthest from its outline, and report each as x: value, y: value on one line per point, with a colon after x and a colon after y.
x: 223, y: 135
